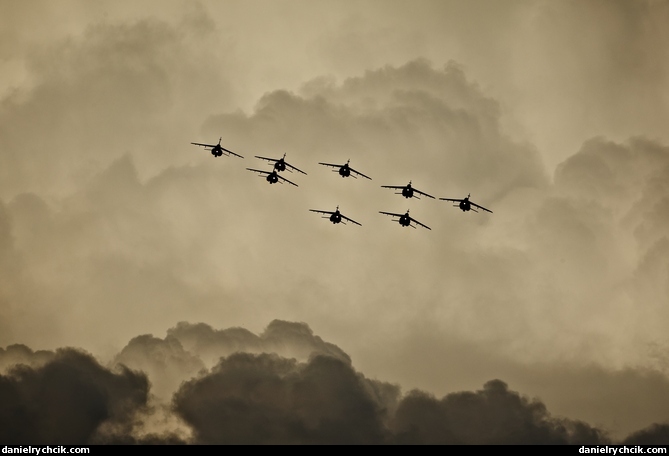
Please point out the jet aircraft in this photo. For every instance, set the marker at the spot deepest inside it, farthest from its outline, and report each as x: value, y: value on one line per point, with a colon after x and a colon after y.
x: 336, y: 216
x: 345, y: 170
x: 280, y: 164
x: 465, y: 204
x: 408, y: 191
x: 216, y: 149
x: 405, y: 219
x: 272, y: 176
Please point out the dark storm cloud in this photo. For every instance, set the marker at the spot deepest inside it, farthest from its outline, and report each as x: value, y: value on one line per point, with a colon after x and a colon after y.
x: 256, y: 398
x: 492, y: 416
x: 67, y: 399
x: 657, y: 434
x: 616, y: 400
x: 265, y: 399
x: 253, y: 388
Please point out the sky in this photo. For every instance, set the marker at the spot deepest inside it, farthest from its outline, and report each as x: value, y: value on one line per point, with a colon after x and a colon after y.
x: 195, y: 303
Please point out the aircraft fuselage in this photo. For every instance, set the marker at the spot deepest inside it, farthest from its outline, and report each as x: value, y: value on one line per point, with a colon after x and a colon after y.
x: 280, y: 165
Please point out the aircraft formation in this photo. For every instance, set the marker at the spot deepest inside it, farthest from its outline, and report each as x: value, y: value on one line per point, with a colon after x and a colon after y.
x: 344, y: 170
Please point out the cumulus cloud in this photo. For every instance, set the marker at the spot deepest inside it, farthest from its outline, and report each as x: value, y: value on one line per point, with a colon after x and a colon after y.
x: 255, y: 394
x: 21, y: 354
x: 413, y: 118
x: 288, y: 339
x: 266, y: 399
x: 491, y: 416
x: 67, y: 399
x: 164, y: 360
x: 657, y: 434
x: 251, y: 399
x: 250, y: 388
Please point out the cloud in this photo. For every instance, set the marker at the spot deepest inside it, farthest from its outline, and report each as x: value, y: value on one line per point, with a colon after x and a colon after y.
x: 67, y: 399
x: 164, y: 360
x: 656, y: 434
x: 112, y: 225
x: 410, y: 118
x: 288, y: 339
x: 254, y: 395
x: 492, y: 416
x: 190, y: 348
x: 112, y: 90
x: 17, y: 354
x: 265, y: 399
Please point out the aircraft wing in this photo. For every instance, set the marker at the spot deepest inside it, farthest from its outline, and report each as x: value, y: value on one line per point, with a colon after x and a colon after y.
x: 321, y: 212
x: 399, y: 187
x: 268, y: 159
x: 296, y: 169
x: 423, y: 193
x: 283, y: 178
x: 391, y: 214
x: 480, y: 207
x: 350, y: 220
x: 418, y: 223
x: 231, y: 152
x: 259, y: 171
x: 330, y: 164
x: 359, y: 173
x: 451, y: 199
x: 205, y: 145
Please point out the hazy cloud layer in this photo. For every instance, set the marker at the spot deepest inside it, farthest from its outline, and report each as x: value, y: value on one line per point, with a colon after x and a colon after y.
x: 116, y: 89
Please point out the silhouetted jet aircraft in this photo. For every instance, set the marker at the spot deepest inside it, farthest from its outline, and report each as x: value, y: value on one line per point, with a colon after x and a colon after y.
x: 336, y: 216
x: 345, y: 170
x: 280, y: 164
x: 216, y: 149
x: 408, y: 191
x: 405, y: 219
x: 465, y: 204
x: 272, y: 177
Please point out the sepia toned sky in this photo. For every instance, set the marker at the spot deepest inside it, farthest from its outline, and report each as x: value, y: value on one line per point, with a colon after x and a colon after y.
x: 121, y: 240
